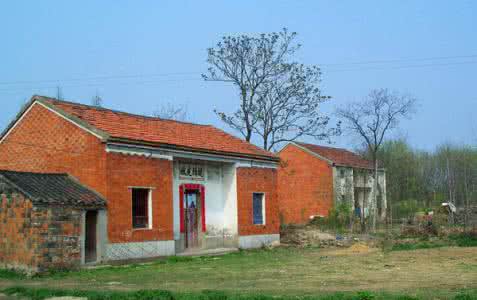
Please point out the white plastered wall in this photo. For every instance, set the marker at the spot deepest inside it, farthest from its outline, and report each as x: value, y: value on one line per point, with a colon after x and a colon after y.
x: 220, y: 198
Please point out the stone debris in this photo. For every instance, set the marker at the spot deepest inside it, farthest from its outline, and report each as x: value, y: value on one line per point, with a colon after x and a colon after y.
x: 312, y: 237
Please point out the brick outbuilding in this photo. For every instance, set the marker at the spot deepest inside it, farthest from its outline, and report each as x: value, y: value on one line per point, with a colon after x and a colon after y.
x: 43, y: 221
x: 312, y: 179
x: 170, y: 186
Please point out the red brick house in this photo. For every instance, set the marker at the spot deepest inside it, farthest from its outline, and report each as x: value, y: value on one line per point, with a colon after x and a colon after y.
x: 312, y: 179
x: 169, y: 186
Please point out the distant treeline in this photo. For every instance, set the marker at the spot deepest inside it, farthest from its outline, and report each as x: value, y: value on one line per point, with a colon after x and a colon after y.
x: 420, y: 180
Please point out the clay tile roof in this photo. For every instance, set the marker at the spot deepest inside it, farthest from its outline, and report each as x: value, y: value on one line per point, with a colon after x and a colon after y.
x: 56, y: 189
x: 161, y: 132
x: 339, y: 156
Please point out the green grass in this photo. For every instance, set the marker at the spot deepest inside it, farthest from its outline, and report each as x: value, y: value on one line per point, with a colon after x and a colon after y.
x: 280, y: 272
x: 9, y: 274
x: 417, y: 245
x: 464, y: 239
x: 40, y: 294
x: 459, y: 240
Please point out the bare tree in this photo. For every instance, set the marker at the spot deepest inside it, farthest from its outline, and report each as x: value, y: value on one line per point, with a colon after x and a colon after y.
x: 288, y: 108
x: 171, y: 112
x: 372, y: 119
x: 97, y: 100
x: 278, y: 98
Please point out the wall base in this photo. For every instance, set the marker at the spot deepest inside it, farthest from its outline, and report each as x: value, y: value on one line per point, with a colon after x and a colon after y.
x: 257, y: 241
x: 123, y: 251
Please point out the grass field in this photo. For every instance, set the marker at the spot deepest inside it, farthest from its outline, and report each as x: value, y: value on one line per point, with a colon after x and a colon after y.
x: 436, y: 273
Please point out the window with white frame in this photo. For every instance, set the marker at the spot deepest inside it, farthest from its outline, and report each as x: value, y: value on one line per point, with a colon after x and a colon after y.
x: 258, y: 208
x: 191, y: 170
x: 141, y: 208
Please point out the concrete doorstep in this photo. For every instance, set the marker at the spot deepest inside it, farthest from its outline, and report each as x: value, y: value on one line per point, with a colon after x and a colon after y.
x: 207, y: 252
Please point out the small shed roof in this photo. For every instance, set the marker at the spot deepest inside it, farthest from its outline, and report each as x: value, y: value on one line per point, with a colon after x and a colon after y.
x: 53, y: 189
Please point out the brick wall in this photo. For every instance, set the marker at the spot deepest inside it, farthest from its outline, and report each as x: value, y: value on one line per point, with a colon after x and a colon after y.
x: 250, y: 180
x: 305, y: 186
x: 35, y: 239
x: 125, y: 171
x: 45, y: 142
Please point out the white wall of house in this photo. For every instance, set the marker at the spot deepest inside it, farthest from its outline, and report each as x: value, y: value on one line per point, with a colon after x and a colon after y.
x: 220, y: 197
x: 349, y: 183
x: 229, y: 172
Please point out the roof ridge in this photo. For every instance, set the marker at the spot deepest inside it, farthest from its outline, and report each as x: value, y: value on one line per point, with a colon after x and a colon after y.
x: 249, y: 143
x: 98, y: 108
x: 329, y: 147
x: 339, y: 156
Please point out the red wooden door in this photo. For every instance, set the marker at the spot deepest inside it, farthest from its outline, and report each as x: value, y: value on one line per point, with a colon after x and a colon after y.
x: 191, y: 213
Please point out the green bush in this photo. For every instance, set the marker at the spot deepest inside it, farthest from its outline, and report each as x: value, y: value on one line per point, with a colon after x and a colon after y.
x: 365, y: 295
x: 338, y: 219
x: 415, y: 246
x: 10, y: 274
x: 465, y: 239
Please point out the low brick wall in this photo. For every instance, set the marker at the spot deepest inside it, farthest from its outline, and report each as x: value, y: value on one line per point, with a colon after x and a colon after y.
x: 38, y: 238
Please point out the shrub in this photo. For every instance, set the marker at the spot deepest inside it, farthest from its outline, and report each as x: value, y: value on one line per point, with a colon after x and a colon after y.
x: 338, y: 219
x: 10, y: 274
x: 365, y: 295
x: 468, y: 239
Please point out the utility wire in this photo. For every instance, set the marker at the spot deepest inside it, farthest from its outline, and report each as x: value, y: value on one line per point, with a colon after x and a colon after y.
x: 100, y: 84
x: 400, y: 60
x: 403, y: 67
x: 99, y: 78
x: 327, y: 68
x: 109, y: 77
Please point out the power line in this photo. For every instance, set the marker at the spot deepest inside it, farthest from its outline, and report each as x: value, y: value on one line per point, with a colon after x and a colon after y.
x: 110, y: 77
x: 100, y: 84
x: 99, y: 78
x: 403, y: 67
x: 144, y: 76
x: 400, y: 60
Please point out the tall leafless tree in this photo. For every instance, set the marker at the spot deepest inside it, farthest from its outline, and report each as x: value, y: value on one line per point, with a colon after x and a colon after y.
x: 372, y: 119
x: 279, y: 98
x: 289, y: 108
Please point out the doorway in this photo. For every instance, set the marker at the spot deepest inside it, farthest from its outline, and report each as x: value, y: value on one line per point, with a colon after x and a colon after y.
x: 90, y: 242
x: 192, y: 217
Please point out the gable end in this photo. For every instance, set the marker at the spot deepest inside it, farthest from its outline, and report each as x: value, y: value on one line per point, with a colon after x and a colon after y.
x: 309, y: 152
x: 74, y: 120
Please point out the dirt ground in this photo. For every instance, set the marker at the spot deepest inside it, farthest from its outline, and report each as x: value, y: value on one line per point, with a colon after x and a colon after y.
x: 284, y: 271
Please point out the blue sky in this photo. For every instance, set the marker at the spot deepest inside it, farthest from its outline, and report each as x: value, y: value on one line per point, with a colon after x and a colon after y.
x: 139, y: 54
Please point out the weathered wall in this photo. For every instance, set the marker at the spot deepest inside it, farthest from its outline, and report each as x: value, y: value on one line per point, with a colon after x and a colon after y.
x: 38, y: 238
x: 357, y: 186
x: 263, y: 180
x: 46, y: 142
x: 305, y: 186
x: 126, y: 171
x: 343, y: 178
